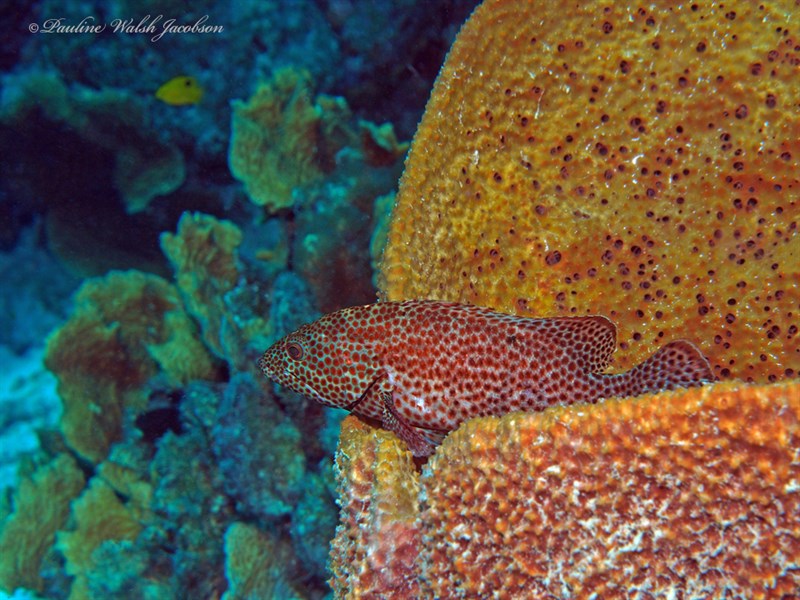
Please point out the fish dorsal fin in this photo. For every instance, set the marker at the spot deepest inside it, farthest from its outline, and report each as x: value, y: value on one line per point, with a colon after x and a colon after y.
x: 590, y: 340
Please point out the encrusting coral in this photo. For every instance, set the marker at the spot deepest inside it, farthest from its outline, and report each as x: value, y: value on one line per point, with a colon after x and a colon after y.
x: 254, y: 565
x: 126, y: 328
x: 209, y: 274
x: 263, y: 467
x: 41, y: 506
x: 691, y: 491
x: 315, y: 517
x: 635, y: 161
x: 283, y: 138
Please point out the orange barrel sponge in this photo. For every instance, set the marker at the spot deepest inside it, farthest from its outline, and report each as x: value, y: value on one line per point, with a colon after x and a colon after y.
x: 639, y: 161
x: 376, y: 549
x: 693, y: 494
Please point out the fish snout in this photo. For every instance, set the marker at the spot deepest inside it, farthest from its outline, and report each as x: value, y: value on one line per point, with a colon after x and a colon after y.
x: 269, y: 363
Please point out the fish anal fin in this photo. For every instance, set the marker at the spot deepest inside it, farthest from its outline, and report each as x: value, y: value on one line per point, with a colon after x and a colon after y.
x: 589, y: 340
x: 416, y: 442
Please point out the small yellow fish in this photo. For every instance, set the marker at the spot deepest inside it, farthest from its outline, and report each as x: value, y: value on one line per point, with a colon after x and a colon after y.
x: 180, y: 90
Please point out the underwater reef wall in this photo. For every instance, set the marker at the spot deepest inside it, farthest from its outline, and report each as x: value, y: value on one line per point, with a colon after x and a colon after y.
x: 110, y: 118
x: 172, y: 451
x: 89, y: 141
x: 635, y: 161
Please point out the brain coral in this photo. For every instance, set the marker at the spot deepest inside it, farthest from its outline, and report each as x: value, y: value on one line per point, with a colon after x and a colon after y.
x: 692, y: 494
x: 637, y: 160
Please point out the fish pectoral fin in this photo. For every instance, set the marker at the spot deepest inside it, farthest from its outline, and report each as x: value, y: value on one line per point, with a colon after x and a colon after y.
x: 390, y: 420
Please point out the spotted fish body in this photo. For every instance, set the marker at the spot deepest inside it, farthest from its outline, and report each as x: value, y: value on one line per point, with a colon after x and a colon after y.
x: 422, y: 367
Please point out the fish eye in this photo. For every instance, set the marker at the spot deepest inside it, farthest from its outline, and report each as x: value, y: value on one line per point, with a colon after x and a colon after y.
x: 294, y: 350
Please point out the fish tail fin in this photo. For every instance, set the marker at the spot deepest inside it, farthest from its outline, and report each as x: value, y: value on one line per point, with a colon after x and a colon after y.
x: 675, y: 365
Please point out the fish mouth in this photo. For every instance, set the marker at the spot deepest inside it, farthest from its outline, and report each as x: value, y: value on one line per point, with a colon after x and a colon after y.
x: 289, y: 380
